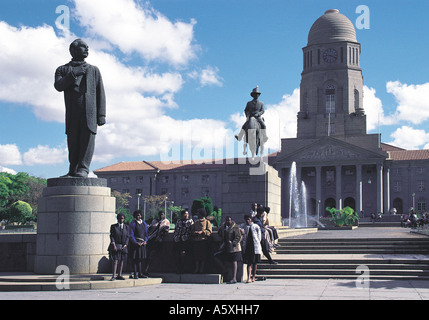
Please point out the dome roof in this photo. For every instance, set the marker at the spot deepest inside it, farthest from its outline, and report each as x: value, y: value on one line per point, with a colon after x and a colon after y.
x: 332, y: 27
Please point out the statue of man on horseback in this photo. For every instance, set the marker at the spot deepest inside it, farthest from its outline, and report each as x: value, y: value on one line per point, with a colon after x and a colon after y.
x: 254, y: 122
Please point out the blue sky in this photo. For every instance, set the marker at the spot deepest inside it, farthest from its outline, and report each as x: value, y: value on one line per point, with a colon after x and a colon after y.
x: 178, y: 74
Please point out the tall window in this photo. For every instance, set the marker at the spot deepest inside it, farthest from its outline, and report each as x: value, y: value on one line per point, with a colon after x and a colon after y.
x: 330, y: 99
x: 421, y: 205
x: 356, y: 99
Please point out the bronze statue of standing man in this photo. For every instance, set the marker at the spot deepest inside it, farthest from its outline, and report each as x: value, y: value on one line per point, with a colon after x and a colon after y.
x: 85, y: 103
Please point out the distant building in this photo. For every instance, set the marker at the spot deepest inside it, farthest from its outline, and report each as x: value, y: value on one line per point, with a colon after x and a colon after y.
x: 227, y: 182
x: 182, y: 183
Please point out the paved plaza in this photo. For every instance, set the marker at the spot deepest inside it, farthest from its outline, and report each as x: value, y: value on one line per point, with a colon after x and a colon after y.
x: 282, y: 289
x: 292, y: 289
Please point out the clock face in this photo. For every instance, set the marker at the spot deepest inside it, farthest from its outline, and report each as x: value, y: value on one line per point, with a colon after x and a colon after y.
x: 330, y: 55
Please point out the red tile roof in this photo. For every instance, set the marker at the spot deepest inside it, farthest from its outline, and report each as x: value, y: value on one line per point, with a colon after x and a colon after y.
x: 173, y: 165
x: 405, y: 155
x: 127, y: 166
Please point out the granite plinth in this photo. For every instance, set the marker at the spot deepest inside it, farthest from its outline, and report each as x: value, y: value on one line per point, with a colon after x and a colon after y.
x: 74, y: 218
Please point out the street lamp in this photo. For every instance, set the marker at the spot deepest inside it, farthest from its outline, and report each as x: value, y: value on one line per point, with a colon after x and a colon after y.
x: 414, y: 203
x: 138, y: 200
x: 171, y: 211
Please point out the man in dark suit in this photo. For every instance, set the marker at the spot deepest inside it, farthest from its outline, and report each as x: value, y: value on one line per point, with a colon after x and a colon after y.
x: 85, y: 103
x: 256, y: 109
x: 118, y: 249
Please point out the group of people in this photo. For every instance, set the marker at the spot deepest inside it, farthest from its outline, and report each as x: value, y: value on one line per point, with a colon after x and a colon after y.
x: 138, y: 240
x: 245, y: 242
x: 142, y: 242
x: 414, y: 220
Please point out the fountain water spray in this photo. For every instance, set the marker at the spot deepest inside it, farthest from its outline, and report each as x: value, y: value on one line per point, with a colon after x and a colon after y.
x: 298, y: 201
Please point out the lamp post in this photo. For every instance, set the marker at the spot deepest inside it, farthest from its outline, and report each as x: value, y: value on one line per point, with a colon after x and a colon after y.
x: 414, y: 201
x: 171, y: 211
x: 138, y: 200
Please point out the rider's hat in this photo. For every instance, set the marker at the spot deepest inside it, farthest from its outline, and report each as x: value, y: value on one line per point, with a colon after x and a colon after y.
x: 255, y: 91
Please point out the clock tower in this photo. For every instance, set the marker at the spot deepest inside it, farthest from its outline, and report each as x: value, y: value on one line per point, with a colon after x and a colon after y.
x: 332, y: 83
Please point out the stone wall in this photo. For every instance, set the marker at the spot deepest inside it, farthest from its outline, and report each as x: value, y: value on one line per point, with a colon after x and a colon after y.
x: 17, y: 252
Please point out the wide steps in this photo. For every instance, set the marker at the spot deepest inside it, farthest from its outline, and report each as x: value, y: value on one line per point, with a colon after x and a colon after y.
x: 343, y: 276
x: 353, y: 246
x: 327, y: 262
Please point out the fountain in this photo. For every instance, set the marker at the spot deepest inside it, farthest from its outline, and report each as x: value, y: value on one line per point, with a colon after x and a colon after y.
x: 298, y: 200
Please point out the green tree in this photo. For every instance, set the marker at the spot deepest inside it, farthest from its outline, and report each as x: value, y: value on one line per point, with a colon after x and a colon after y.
x: 175, y: 213
x: 5, y: 183
x: 204, y: 202
x: 154, y: 204
x: 19, y: 212
x: 346, y: 216
x: 214, y: 214
x: 122, y: 202
x: 20, y: 187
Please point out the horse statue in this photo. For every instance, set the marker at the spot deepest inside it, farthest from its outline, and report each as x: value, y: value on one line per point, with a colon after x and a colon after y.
x: 253, y: 131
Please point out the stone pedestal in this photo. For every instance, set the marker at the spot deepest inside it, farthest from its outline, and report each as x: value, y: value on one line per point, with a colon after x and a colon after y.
x: 247, y: 183
x: 74, y: 218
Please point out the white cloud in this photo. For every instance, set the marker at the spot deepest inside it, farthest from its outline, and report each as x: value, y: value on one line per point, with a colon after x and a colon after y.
x: 10, y: 155
x: 410, y: 138
x: 373, y: 108
x: 3, y: 169
x: 28, y: 64
x: 413, y: 101
x: 45, y: 155
x: 137, y: 27
x: 207, y: 77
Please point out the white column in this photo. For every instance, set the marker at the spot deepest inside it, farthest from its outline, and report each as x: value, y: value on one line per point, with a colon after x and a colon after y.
x: 359, y: 188
x: 319, y: 190
x: 338, y: 187
x: 379, y: 188
x: 387, y: 190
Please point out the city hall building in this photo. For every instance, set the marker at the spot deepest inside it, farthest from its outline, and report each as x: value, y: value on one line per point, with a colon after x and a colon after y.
x: 340, y: 164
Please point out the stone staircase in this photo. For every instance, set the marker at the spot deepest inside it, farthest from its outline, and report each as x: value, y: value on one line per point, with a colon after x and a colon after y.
x: 384, y: 258
x: 351, y: 246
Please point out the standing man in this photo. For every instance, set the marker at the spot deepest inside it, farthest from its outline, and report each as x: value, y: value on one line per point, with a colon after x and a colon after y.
x: 118, y: 249
x: 85, y: 103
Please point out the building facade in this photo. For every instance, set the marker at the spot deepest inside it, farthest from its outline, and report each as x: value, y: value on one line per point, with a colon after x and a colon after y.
x: 340, y: 164
x: 229, y: 183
